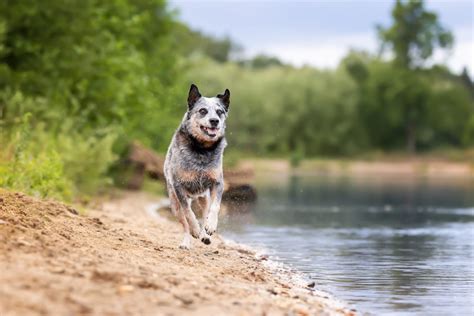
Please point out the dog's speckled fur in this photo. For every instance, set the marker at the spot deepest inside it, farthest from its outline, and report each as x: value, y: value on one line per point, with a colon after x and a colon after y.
x: 193, y: 165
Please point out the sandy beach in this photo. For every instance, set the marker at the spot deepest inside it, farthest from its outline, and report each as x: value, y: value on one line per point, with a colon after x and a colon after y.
x: 117, y: 259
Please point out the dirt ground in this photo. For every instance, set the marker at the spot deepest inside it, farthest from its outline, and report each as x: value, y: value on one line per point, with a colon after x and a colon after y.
x: 119, y: 260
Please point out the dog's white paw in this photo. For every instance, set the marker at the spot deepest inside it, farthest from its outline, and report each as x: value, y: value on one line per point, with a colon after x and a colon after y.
x: 204, y: 237
x: 211, y: 224
x: 186, y: 243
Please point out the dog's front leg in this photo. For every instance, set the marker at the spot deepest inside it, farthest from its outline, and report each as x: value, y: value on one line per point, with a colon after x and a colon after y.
x: 205, y: 204
x: 177, y: 210
x: 186, y: 217
x: 212, y: 217
x: 194, y: 226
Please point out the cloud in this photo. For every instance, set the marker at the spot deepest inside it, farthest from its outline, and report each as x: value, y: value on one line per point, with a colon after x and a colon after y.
x: 322, y: 53
x: 462, y: 54
x: 328, y: 52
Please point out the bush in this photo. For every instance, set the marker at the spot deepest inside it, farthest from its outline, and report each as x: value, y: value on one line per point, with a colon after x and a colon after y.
x: 93, y: 75
x: 40, y: 175
x: 87, y: 160
x: 60, y: 164
x: 37, y: 173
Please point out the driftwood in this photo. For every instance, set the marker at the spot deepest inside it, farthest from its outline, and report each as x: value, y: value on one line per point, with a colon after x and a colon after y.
x: 143, y: 162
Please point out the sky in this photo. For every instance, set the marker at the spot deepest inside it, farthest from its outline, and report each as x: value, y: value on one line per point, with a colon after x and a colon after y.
x: 320, y: 32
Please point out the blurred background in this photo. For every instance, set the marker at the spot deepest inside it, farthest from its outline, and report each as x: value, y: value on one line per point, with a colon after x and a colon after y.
x: 347, y: 111
x: 80, y: 80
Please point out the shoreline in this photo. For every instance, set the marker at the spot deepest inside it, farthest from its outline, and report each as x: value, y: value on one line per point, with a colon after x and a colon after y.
x: 413, y: 168
x: 55, y: 261
x: 289, y: 278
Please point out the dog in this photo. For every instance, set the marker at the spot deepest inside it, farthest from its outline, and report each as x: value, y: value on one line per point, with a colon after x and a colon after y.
x: 193, y: 164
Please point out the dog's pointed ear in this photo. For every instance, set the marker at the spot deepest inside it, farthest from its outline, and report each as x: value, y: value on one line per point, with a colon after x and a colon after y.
x: 225, y: 98
x: 193, y: 96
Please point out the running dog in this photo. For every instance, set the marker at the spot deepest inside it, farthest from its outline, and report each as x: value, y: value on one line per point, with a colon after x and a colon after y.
x: 193, y: 165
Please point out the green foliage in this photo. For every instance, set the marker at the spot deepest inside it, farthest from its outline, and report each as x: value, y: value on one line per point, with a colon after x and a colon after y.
x: 261, y: 61
x: 59, y: 164
x: 281, y: 109
x: 468, y: 136
x: 191, y: 43
x: 402, y: 104
x: 296, y: 157
x: 86, y: 159
x: 103, y: 63
x: 366, y: 104
x: 93, y: 75
x: 415, y: 109
x: 415, y: 33
x: 38, y: 173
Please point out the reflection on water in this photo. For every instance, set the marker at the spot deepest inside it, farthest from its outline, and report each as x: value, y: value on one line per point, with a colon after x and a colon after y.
x: 387, y: 246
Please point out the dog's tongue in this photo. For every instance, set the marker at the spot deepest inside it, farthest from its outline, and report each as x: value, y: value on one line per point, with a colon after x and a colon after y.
x: 211, y: 131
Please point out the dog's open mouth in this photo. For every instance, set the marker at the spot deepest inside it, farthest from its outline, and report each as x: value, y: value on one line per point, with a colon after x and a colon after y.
x: 209, y: 131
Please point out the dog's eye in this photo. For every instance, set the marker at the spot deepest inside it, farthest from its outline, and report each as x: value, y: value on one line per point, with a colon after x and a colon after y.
x: 219, y: 112
x: 203, y: 111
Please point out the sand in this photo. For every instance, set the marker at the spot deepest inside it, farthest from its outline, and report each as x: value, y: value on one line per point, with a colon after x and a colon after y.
x: 117, y: 259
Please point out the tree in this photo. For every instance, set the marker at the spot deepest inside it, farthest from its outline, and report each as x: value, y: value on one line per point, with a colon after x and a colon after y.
x: 100, y: 64
x: 262, y: 61
x: 89, y: 75
x: 188, y: 42
x: 466, y: 79
x: 413, y: 37
x: 419, y: 109
x: 414, y: 34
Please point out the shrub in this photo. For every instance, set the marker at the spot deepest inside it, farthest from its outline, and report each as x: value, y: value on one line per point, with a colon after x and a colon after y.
x: 61, y: 163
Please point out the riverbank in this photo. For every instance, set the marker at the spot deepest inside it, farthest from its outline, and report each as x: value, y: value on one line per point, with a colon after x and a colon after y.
x: 413, y: 167
x: 118, y: 260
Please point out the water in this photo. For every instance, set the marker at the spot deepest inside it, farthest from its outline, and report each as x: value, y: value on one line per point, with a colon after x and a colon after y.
x: 387, y: 246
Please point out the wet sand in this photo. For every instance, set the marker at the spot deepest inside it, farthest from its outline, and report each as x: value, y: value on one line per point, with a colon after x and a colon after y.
x: 119, y: 260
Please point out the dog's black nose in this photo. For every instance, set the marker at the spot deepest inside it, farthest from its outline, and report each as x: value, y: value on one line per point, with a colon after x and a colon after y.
x: 214, y: 122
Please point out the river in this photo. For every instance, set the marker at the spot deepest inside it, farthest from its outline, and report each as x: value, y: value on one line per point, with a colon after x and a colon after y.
x: 387, y: 246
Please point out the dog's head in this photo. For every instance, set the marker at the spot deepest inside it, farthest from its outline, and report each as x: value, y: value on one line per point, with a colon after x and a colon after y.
x: 205, y: 119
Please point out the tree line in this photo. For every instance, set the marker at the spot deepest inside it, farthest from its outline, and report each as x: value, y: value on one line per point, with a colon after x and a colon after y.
x: 370, y: 102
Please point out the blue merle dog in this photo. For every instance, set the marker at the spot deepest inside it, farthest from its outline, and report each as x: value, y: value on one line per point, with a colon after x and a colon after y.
x: 193, y: 165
